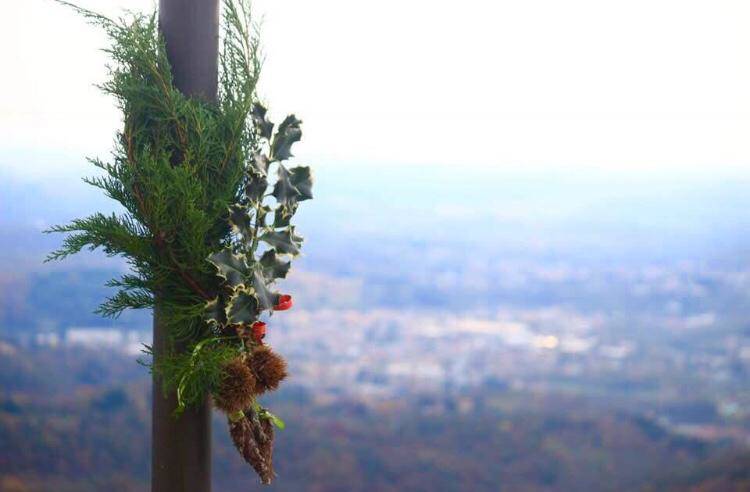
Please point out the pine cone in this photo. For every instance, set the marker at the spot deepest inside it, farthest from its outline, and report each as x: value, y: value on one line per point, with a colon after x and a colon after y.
x: 253, y: 438
x: 237, y: 387
x: 268, y: 367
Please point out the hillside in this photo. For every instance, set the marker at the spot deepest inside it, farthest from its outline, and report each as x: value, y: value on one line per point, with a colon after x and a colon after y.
x: 79, y: 422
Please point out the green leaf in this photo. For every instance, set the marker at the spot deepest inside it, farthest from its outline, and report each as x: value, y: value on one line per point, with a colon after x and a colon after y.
x: 240, y: 220
x: 283, y: 215
x: 301, y: 178
x: 275, y: 420
x: 273, y: 266
x: 285, y: 241
x: 262, y: 212
x: 289, y: 131
x: 256, y: 187
x: 265, y: 127
x: 284, y: 191
x: 293, y: 185
x: 266, y: 298
x: 242, y: 308
x: 231, y: 267
x: 260, y: 163
x: 215, y: 313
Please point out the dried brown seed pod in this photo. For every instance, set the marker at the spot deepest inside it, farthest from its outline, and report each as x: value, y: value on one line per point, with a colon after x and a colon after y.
x: 268, y: 367
x: 237, y: 387
x: 266, y: 446
x: 253, y: 438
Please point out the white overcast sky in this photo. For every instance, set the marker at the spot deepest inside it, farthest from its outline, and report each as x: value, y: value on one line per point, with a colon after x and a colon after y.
x: 507, y: 83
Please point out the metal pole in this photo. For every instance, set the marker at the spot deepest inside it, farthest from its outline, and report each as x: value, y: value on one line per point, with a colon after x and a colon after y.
x: 181, y: 448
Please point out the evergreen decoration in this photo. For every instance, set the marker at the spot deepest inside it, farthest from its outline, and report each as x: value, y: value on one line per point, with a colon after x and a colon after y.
x: 206, y: 223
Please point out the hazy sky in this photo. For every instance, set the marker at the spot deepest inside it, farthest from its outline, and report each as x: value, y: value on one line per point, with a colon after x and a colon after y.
x: 638, y: 83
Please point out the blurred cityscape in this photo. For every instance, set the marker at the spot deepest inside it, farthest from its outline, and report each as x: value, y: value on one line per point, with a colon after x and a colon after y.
x: 467, y: 328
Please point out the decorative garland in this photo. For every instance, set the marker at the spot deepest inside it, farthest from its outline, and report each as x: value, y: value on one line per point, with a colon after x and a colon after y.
x: 203, y: 239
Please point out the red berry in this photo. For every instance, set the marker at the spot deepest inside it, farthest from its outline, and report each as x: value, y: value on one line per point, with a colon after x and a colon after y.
x: 258, y: 331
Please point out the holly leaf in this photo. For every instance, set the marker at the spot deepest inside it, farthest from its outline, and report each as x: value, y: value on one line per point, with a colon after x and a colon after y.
x: 301, y: 179
x: 283, y: 215
x: 289, y: 131
x: 258, y: 114
x: 260, y: 163
x: 240, y: 220
x: 285, y: 241
x: 215, y: 313
x: 231, y: 267
x: 273, y: 266
x: 284, y: 191
x: 242, y: 308
x: 262, y: 212
x: 256, y: 187
x: 266, y: 298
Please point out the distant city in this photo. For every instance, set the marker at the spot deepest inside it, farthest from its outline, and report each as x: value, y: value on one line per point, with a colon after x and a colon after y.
x: 630, y: 294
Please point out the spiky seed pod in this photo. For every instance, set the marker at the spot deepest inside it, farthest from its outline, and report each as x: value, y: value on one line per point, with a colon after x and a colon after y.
x: 253, y: 438
x: 237, y: 387
x: 268, y: 367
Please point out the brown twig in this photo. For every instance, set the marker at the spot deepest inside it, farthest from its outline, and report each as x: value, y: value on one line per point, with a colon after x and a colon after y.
x: 182, y: 273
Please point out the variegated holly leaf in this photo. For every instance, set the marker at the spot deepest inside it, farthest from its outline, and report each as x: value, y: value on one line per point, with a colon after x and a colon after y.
x: 301, y: 179
x: 240, y: 220
x: 289, y: 131
x: 283, y: 215
x: 262, y: 212
x: 260, y: 163
x: 256, y: 187
x: 242, y: 308
x: 273, y: 266
x: 265, y: 127
x: 266, y: 298
x: 231, y: 267
x: 215, y: 313
x: 284, y: 191
x: 285, y: 241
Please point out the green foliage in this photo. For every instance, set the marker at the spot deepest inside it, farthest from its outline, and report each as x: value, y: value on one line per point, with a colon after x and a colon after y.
x: 193, y: 179
x: 248, y: 271
x: 190, y: 373
x: 275, y: 420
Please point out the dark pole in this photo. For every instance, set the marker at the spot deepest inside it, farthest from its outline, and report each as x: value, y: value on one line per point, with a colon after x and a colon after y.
x: 181, y: 447
x: 191, y: 32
